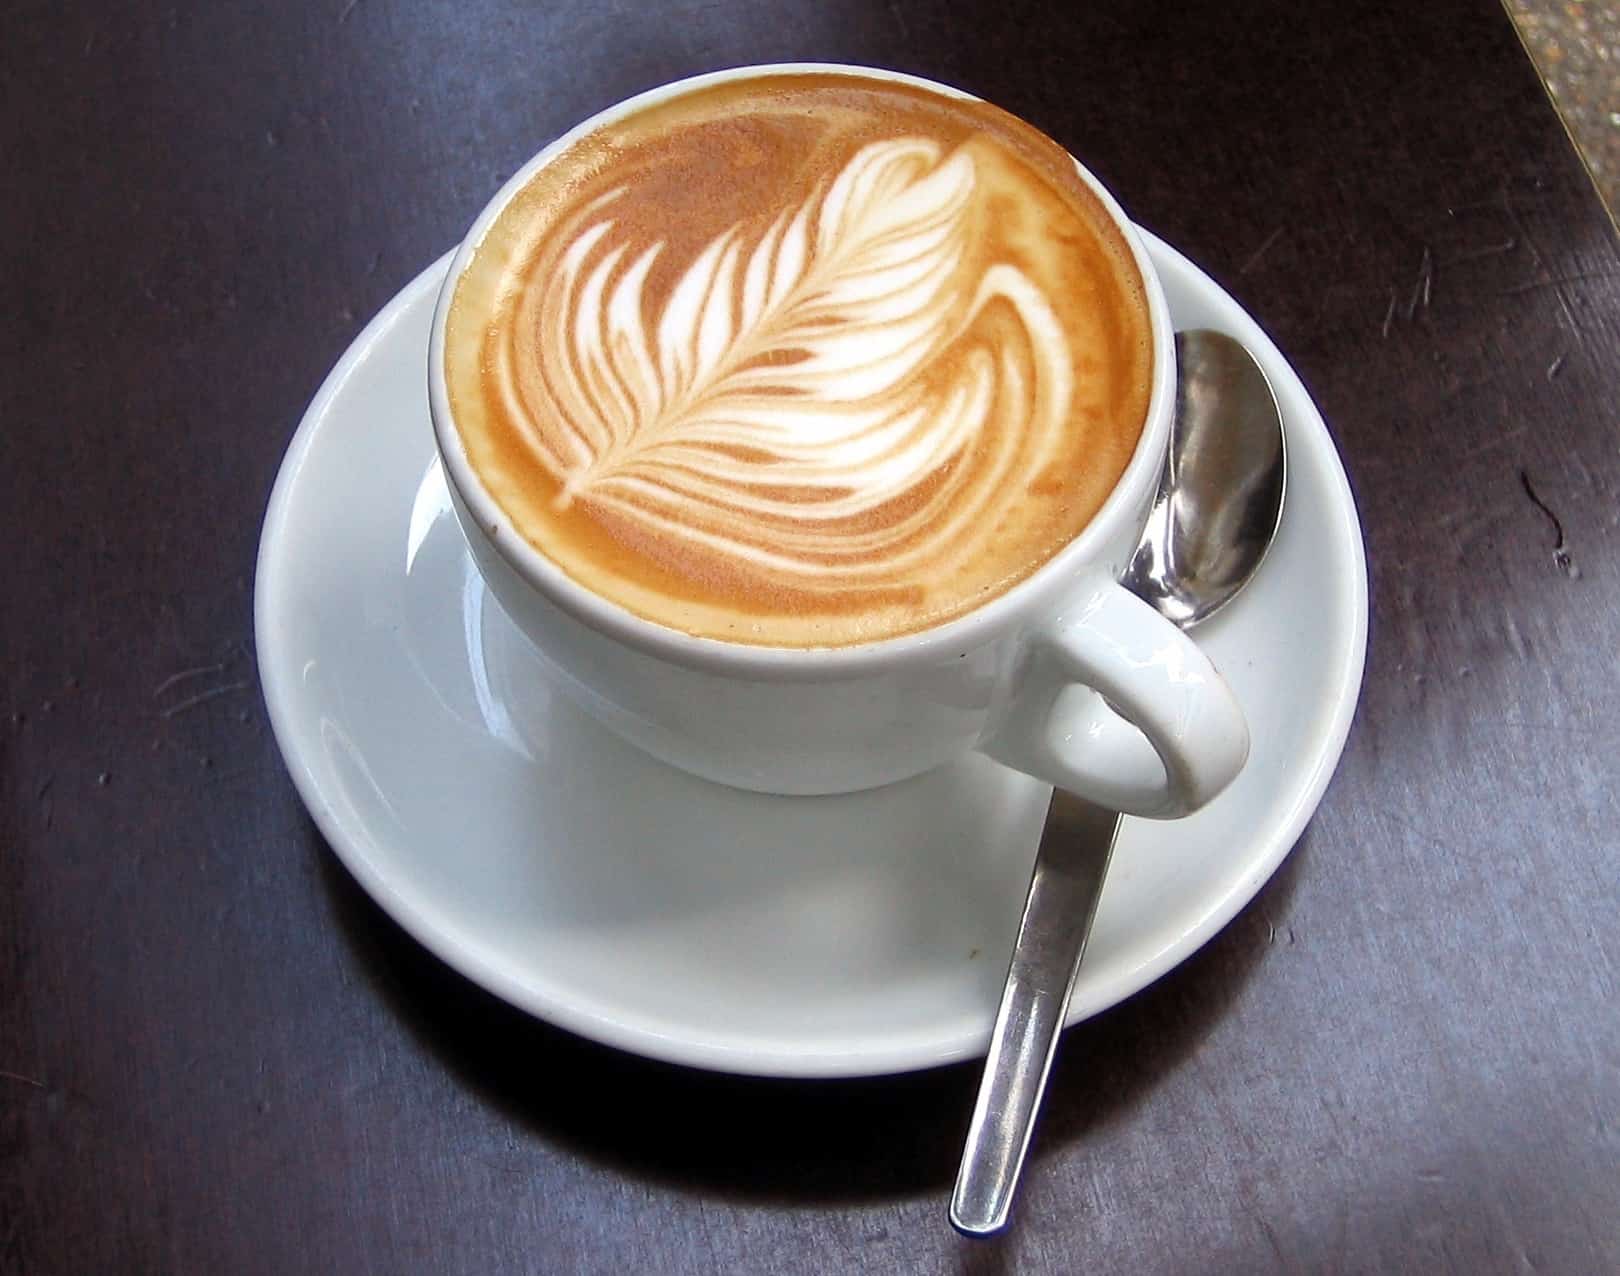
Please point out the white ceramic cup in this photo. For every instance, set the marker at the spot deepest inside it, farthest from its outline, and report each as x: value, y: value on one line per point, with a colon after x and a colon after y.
x: 1066, y: 676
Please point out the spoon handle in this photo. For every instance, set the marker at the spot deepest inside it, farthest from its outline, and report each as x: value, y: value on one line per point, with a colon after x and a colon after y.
x: 1063, y: 892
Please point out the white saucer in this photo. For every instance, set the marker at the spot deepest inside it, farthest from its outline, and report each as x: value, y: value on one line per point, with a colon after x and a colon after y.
x: 596, y: 888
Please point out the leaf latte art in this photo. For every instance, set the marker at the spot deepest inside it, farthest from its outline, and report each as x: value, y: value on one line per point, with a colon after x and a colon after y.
x: 789, y: 389
x: 828, y: 401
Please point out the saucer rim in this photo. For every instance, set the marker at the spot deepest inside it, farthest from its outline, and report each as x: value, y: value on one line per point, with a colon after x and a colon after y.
x: 695, y: 1049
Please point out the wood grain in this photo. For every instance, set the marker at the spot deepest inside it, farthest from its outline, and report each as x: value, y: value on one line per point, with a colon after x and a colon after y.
x: 216, y: 1055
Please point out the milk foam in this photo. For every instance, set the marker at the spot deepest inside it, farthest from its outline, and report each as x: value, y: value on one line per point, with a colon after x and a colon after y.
x: 687, y: 427
x: 883, y: 388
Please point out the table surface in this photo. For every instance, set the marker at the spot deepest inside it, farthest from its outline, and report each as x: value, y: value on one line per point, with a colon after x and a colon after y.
x: 218, y: 1055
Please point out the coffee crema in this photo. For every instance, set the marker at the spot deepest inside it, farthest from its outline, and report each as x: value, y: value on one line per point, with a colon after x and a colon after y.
x: 801, y: 360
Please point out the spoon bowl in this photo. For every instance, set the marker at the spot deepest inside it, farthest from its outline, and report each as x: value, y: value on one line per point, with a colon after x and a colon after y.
x: 1221, y: 494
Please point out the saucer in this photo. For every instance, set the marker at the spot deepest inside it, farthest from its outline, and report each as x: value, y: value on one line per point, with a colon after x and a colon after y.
x: 594, y: 887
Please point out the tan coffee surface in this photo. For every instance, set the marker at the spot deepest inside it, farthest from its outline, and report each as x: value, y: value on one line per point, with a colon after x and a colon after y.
x: 802, y: 360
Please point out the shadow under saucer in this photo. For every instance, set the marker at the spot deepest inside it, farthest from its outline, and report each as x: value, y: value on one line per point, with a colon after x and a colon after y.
x: 824, y: 1141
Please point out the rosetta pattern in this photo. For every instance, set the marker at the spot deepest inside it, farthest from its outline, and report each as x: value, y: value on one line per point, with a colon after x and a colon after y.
x: 800, y: 403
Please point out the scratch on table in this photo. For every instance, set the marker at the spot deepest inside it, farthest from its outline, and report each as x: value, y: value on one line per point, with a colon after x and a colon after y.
x: 47, y: 805
x: 1568, y: 730
x: 202, y: 697
x: 1500, y: 440
x: 17, y: 1076
x: 1560, y: 282
x: 1270, y: 1234
x: 1422, y: 833
x: 1422, y: 287
x: 1555, y: 367
x: 1514, y: 636
x: 185, y: 675
x: 1540, y: 258
x: 347, y: 10
x: 1389, y: 315
x: 1261, y: 251
x: 1489, y: 250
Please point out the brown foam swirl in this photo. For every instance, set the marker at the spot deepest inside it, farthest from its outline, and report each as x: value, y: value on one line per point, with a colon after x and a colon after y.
x: 820, y: 418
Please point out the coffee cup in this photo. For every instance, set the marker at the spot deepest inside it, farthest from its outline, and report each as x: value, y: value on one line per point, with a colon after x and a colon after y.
x: 803, y: 419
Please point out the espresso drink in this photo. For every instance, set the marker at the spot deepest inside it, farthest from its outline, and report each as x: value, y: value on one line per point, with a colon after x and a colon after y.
x: 802, y: 359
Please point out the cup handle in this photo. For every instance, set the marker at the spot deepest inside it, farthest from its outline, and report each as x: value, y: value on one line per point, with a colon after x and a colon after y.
x: 1160, y: 737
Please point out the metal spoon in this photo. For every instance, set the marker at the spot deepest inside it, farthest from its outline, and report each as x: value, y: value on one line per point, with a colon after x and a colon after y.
x: 1219, y: 503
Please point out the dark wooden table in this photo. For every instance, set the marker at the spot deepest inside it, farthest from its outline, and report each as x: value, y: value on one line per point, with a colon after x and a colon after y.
x: 217, y: 1055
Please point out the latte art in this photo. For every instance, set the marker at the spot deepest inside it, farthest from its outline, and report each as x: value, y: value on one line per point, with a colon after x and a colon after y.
x: 792, y: 388
x: 802, y: 360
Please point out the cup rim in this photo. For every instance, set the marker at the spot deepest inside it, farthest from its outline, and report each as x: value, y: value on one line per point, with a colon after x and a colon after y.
x: 973, y: 629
